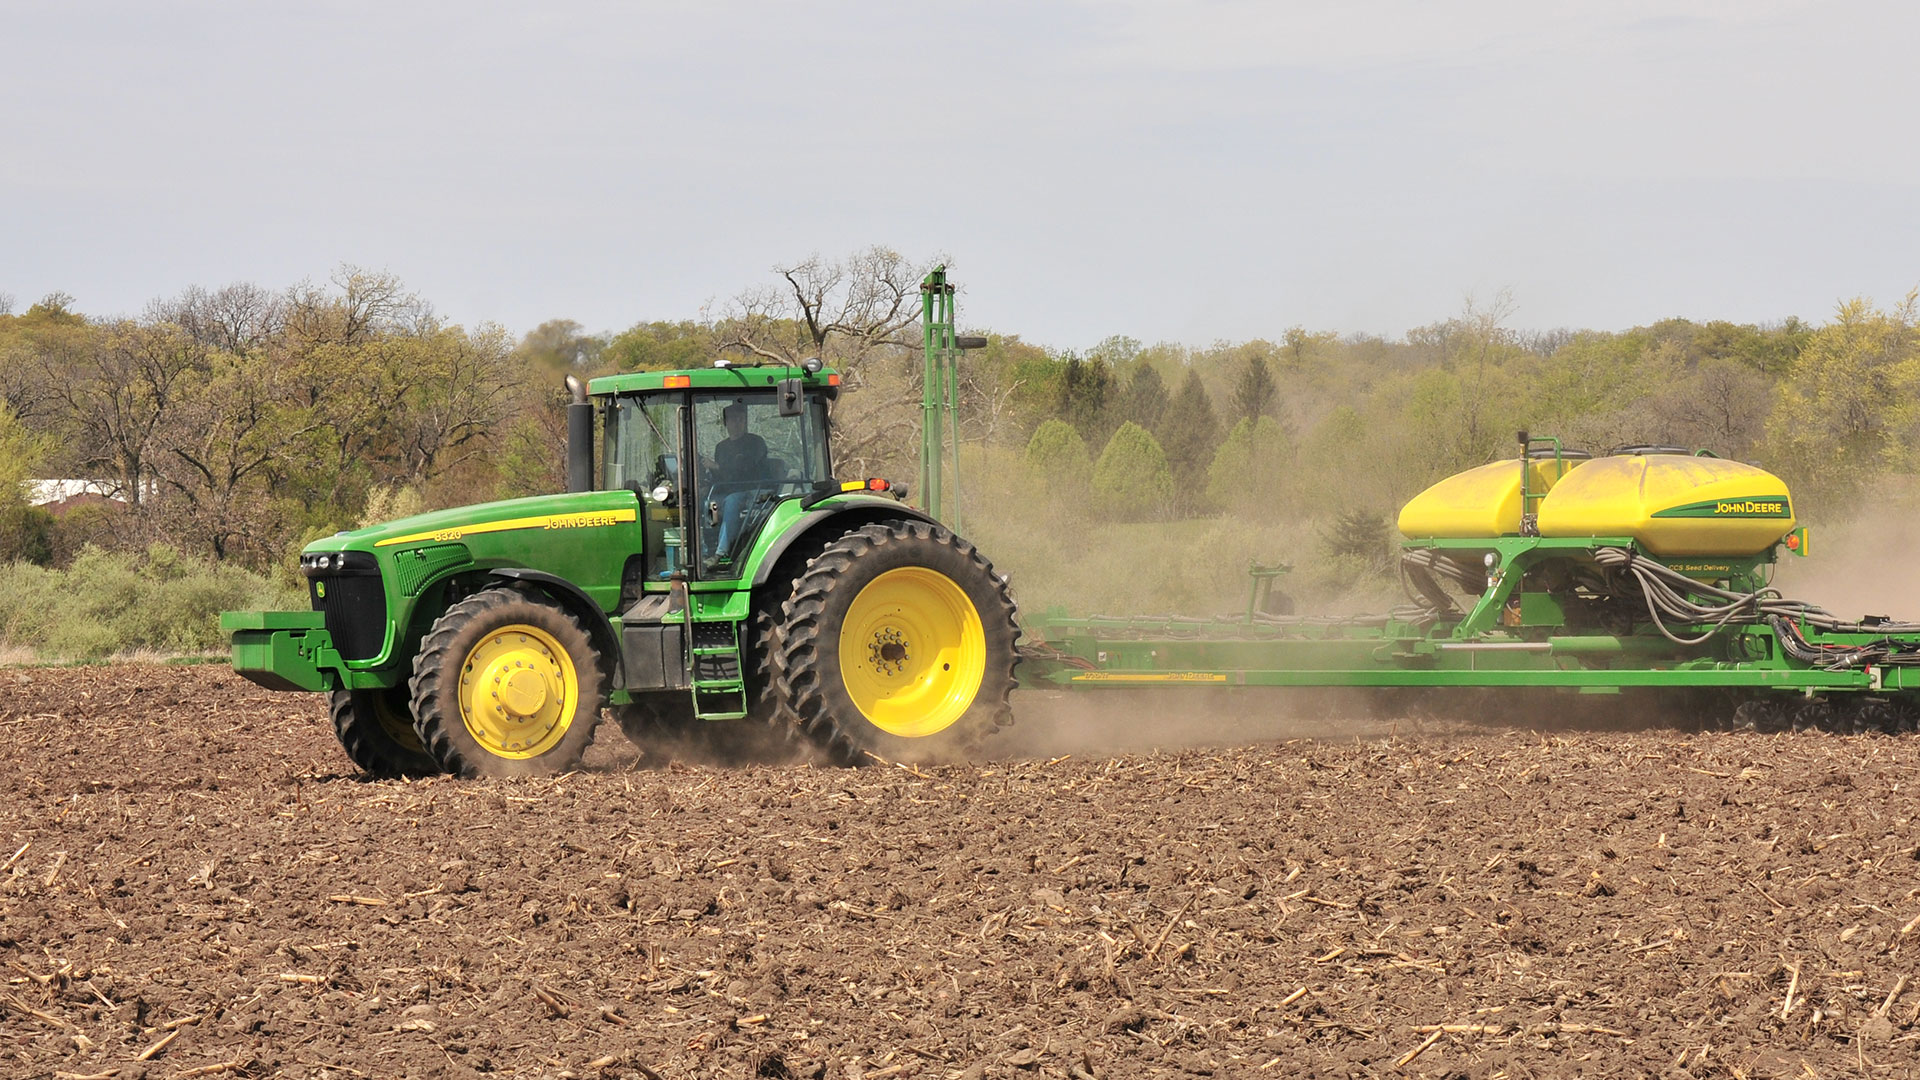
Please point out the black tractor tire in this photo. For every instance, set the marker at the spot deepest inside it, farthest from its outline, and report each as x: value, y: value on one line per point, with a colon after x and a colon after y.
x: 507, y: 683
x: 375, y: 728
x: 938, y: 587
x: 779, y: 740
x: 768, y: 735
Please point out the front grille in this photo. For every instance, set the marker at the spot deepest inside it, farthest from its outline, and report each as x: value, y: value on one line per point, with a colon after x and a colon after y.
x: 356, y: 609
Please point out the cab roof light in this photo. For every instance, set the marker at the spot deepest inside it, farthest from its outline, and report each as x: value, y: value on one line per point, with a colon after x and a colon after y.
x: 677, y: 382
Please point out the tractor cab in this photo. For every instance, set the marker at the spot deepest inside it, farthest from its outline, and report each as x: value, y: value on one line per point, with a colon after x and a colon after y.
x: 710, y: 454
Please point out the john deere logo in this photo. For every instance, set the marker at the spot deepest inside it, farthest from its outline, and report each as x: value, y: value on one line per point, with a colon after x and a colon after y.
x: 1761, y: 507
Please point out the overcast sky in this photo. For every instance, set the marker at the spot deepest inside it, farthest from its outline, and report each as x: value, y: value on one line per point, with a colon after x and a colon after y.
x: 1185, y: 171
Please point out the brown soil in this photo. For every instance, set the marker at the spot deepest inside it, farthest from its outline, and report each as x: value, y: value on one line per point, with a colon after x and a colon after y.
x: 194, y: 883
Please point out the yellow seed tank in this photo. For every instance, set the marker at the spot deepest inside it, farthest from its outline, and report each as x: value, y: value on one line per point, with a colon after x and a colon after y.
x: 1480, y: 502
x: 1676, y: 505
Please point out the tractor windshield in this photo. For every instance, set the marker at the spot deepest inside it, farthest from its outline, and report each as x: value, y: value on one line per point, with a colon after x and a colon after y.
x: 749, y: 458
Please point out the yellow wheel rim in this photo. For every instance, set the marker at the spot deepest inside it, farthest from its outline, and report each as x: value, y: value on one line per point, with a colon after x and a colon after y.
x: 912, y: 652
x: 518, y: 692
x: 397, y: 723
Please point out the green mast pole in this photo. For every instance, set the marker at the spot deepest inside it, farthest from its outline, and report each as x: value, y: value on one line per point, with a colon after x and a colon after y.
x: 953, y: 407
x: 936, y: 319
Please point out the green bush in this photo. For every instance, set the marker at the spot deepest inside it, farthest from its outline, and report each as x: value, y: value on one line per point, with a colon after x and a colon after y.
x: 26, y: 532
x: 1249, y: 474
x: 1059, y: 464
x: 1131, y: 482
x: 115, y: 602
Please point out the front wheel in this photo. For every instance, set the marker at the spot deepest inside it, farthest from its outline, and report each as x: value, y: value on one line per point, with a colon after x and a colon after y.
x: 376, y: 730
x: 507, y: 683
x: 898, y: 643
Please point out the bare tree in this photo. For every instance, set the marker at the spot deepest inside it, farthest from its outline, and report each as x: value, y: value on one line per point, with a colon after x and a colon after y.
x: 1722, y: 405
x: 460, y: 401
x: 218, y: 452
x: 1546, y: 342
x: 366, y: 304
x: 24, y: 362
x: 240, y: 318
x: 122, y: 395
x: 843, y: 311
x: 986, y: 398
x: 857, y: 314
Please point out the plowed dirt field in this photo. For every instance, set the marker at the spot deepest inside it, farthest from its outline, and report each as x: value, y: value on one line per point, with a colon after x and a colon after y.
x: 194, y: 883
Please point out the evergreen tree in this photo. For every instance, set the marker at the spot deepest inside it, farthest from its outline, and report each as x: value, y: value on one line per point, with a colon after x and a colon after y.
x: 1192, y: 435
x: 1146, y: 401
x: 1254, y: 391
x: 1086, y: 398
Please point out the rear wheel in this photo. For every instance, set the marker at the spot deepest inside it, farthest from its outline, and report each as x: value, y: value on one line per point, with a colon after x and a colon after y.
x: 898, y: 642
x: 507, y: 683
x: 375, y: 728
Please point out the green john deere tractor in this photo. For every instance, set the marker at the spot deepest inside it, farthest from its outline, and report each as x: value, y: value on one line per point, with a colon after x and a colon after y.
x: 708, y: 573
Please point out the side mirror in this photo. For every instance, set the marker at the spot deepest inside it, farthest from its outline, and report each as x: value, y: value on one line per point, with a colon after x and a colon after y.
x: 792, y: 397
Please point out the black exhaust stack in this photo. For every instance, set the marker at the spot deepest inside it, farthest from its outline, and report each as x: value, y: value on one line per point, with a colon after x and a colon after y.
x: 579, y: 437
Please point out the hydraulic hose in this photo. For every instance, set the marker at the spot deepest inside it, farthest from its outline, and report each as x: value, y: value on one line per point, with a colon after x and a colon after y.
x: 1673, y: 596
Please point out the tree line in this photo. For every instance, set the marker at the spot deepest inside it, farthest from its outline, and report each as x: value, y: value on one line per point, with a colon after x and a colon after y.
x: 236, y: 424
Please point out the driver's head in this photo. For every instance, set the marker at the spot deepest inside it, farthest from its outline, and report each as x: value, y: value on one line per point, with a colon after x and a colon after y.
x: 735, y: 417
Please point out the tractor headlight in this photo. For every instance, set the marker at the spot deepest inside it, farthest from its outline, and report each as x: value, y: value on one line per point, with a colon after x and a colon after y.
x: 319, y: 563
x: 662, y: 493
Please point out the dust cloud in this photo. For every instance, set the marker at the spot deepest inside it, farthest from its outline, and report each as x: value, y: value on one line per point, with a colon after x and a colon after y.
x: 1106, y: 723
x: 1100, y: 723
x: 1869, y: 565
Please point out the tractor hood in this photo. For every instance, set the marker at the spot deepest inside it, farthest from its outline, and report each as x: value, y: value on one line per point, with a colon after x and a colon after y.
x: 576, y: 510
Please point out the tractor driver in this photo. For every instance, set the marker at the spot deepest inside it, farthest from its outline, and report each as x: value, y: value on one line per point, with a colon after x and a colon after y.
x: 740, y: 458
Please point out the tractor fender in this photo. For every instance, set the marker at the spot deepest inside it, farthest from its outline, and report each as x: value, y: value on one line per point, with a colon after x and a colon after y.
x: 844, y: 518
x: 599, y: 627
